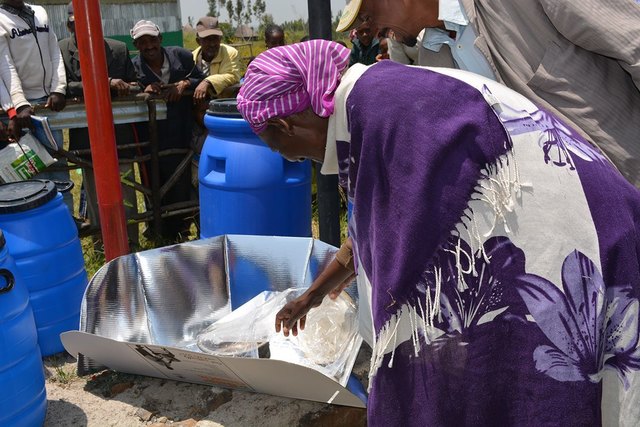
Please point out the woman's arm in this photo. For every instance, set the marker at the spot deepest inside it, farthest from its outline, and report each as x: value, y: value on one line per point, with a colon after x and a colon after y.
x: 338, y: 274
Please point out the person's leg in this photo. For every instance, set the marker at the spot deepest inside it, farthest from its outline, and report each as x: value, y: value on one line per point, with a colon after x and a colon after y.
x: 128, y: 197
x: 127, y: 173
x: 175, y: 228
x: 92, y: 198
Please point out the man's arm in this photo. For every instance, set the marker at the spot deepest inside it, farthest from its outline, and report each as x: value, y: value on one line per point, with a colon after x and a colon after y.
x: 229, y: 73
x: 74, y: 84
x: 130, y: 74
x: 9, y: 75
x: 608, y: 28
x: 59, y: 79
x: 5, y: 97
x: 195, y: 76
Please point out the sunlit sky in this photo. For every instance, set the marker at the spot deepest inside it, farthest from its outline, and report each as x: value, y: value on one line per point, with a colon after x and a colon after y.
x: 282, y: 10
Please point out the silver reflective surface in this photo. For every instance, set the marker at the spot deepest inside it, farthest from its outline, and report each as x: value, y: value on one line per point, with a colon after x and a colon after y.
x: 167, y: 296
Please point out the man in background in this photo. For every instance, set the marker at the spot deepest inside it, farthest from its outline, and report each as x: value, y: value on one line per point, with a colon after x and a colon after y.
x: 215, y: 60
x: 168, y: 72
x: 32, y: 70
x: 122, y: 80
x: 273, y: 36
x: 365, y: 46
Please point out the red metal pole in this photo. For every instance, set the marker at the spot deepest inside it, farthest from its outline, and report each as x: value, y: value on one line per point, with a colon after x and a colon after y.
x: 95, y: 81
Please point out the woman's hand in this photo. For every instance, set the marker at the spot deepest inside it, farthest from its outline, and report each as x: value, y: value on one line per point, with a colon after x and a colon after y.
x: 294, y: 311
x: 331, y: 281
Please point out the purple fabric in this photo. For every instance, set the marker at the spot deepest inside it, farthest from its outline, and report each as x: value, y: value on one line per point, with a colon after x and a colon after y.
x: 289, y: 79
x: 411, y: 180
x: 418, y: 172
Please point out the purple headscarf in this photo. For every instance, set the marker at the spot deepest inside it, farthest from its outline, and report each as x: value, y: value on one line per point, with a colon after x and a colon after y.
x: 289, y: 79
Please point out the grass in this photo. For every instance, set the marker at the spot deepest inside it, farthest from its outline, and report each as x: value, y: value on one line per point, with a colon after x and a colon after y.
x: 59, y: 369
x: 63, y: 376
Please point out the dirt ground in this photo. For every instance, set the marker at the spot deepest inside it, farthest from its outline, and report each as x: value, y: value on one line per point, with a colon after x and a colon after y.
x: 111, y: 398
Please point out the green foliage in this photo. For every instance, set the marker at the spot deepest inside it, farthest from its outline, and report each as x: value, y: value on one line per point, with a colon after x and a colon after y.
x: 189, y: 40
x: 214, y: 6
x: 227, y: 30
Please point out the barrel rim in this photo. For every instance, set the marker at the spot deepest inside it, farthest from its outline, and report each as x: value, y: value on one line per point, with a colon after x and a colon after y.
x: 22, y: 196
x: 224, y: 107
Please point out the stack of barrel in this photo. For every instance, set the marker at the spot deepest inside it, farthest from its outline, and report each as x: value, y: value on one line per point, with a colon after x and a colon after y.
x: 42, y: 282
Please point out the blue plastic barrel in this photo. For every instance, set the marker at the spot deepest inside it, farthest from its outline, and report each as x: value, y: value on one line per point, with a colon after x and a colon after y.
x: 43, y: 240
x: 24, y: 400
x: 244, y: 187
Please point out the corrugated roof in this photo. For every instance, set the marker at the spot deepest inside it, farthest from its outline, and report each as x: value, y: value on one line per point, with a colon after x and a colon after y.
x: 245, y: 31
x: 65, y: 2
x: 119, y: 17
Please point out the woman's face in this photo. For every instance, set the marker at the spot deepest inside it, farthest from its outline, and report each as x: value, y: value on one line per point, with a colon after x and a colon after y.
x: 298, y: 137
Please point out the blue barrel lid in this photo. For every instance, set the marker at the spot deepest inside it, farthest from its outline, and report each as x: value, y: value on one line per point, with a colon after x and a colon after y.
x: 225, y: 107
x: 25, y: 195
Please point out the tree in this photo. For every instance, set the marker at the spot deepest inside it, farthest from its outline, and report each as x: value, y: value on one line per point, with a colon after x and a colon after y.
x: 213, y: 8
x: 334, y: 34
x: 239, y: 12
x: 266, y: 20
x: 248, y: 12
x: 230, y: 10
x: 259, y: 8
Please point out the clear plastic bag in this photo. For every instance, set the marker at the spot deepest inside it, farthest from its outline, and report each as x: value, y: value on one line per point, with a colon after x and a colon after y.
x: 242, y: 331
x: 326, y: 344
x: 327, y: 341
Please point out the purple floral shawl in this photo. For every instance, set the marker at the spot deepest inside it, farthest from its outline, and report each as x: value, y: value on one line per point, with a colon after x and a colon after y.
x: 502, y: 253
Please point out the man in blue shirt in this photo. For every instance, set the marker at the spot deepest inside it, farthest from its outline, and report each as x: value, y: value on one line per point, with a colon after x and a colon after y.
x: 365, y: 46
x: 168, y: 72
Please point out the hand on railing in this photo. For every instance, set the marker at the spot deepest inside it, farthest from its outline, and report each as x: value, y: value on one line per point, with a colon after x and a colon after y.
x: 56, y: 102
x: 202, y: 92
x: 123, y: 88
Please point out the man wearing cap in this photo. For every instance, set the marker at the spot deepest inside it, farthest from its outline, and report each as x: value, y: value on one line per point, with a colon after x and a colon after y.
x: 580, y: 60
x: 122, y: 79
x: 216, y: 60
x: 32, y: 70
x: 168, y: 72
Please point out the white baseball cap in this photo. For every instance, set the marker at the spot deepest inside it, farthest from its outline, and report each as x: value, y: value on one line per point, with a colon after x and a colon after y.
x: 144, y: 28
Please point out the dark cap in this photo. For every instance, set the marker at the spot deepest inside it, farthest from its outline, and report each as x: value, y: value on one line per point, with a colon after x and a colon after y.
x: 208, y: 26
x: 71, y: 17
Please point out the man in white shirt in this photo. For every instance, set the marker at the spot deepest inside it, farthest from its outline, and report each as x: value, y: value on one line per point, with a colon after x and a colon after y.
x: 32, y: 70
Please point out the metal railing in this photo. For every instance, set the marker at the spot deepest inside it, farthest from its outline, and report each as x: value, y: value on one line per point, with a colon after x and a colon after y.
x: 133, y: 109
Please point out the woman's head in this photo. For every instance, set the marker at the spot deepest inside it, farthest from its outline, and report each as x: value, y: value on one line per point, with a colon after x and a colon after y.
x: 287, y: 96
